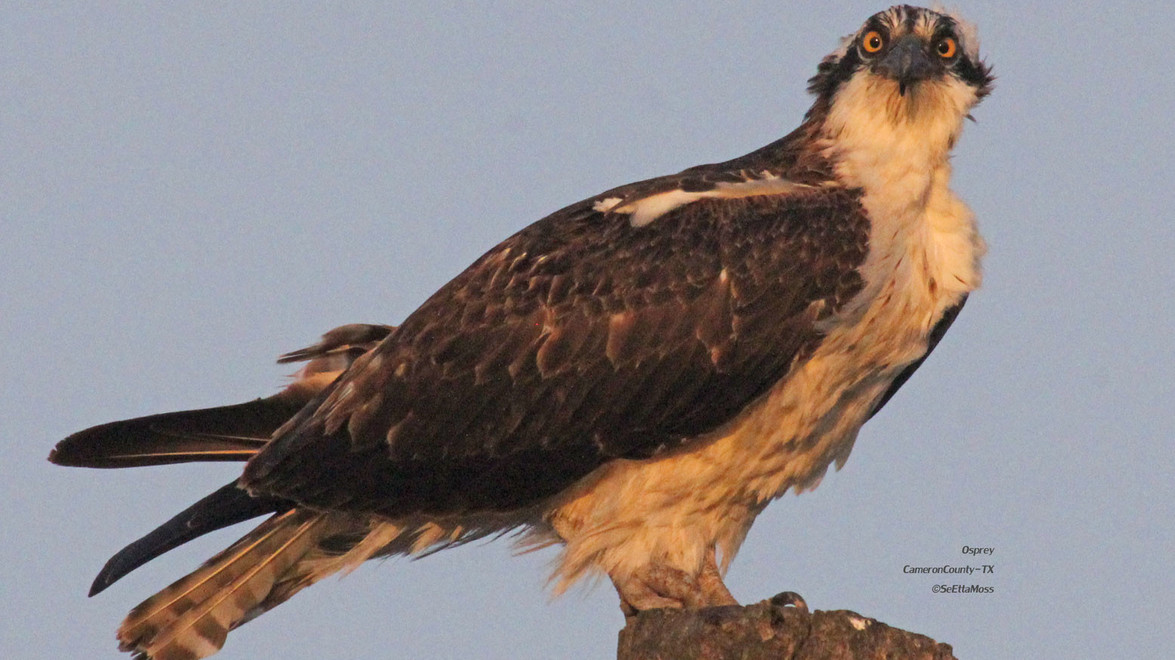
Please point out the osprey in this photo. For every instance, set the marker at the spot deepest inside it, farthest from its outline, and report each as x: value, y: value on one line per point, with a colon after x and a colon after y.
x: 635, y: 376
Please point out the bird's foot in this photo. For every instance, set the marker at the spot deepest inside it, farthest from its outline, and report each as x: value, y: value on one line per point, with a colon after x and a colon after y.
x: 658, y: 586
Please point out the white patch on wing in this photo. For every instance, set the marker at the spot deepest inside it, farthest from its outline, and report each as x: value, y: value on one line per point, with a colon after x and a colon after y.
x: 647, y: 209
x: 650, y: 208
x: 606, y: 204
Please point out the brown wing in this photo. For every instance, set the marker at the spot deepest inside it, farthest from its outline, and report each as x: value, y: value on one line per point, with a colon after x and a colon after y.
x: 578, y: 340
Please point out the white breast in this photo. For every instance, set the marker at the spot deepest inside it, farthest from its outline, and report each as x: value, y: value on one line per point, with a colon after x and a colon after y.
x: 673, y: 508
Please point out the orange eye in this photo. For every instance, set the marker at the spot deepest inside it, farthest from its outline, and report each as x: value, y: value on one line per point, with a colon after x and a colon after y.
x: 947, y: 48
x: 873, y: 42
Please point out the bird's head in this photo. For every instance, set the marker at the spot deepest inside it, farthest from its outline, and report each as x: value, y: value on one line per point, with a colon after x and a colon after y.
x: 905, y: 65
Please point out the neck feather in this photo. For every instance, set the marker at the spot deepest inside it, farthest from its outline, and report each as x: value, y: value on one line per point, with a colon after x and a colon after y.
x: 881, y: 139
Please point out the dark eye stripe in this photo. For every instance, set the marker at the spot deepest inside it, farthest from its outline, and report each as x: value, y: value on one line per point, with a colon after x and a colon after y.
x: 973, y: 73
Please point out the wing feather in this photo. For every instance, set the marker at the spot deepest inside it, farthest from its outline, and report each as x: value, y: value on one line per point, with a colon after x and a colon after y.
x: 578, y: 340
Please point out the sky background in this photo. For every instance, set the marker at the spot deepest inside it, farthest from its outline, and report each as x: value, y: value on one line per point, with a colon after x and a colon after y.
x: 186, y: 192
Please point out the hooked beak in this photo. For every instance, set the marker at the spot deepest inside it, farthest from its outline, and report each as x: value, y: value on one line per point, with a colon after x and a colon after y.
x: 907, y: 63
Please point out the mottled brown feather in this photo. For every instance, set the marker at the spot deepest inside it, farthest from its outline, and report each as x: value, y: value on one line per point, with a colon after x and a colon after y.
x: 577, y: 340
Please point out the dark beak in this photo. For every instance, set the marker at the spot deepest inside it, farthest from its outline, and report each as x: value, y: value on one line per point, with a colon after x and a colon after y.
x: 907, y: 63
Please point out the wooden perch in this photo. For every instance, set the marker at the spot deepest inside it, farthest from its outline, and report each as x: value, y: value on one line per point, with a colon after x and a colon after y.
x: 769, y: 630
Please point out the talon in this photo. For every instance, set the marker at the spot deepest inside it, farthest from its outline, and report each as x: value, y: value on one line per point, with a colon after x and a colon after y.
x: 790, y: 598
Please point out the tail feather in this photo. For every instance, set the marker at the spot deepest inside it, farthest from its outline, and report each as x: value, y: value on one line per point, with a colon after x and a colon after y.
x: 288, y: 552
x: 227, y: 506
x: 191, y: 618
x: 291, y: 550
x: 227, y: 433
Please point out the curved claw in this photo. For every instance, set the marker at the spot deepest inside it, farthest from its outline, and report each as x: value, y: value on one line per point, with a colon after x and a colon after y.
x: 790, y: 598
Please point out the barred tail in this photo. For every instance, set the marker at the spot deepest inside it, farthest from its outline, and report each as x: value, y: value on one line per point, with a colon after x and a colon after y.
x: 191, y: 618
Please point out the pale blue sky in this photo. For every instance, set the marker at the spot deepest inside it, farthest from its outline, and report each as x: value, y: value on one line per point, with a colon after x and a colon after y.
x: 187, y: 192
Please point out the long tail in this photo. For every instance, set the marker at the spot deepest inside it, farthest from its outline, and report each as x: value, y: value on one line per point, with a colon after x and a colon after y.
x: 227, y: 433
x: 291, y: 550
x: 191, y: 618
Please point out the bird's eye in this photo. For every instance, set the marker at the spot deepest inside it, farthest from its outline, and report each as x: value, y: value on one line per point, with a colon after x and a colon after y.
x: 947, y: 48
x: 873, y: 42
